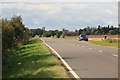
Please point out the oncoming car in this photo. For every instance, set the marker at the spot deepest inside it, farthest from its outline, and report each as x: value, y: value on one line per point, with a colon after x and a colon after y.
x: 83, y: 37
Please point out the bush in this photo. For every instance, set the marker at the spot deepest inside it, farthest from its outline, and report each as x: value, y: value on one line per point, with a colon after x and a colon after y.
x: 46, y: 34
x: 111, y: 40
x: 14, y: 33
x: 63, y: 35
x: 58, y: 35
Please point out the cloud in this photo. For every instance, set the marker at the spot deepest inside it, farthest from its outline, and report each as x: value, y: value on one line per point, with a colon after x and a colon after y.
x: 59, y: 15
x: 0, y: 10
x: 60, y: 1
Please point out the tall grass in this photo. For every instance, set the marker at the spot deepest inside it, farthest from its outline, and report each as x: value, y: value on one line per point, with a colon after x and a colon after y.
x: 34, y: 60
x: 107, y: 42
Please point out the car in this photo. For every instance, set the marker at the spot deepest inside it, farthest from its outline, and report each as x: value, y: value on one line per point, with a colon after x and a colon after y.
x: 83, y: 37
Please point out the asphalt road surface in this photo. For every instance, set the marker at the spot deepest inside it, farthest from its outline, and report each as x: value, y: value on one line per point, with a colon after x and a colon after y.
x: 87, y: 60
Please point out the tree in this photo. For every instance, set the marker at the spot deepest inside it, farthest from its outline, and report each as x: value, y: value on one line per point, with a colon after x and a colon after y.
x: 52, y: 33
x: 58, y: 34
x: 80, y: 31
x: 37, y: 31
x: 46, y: 34
x: 111, y: 32
x: 8, y: 34
x: 99, y: 27
x: 13, y: 33
x: 63, y: 33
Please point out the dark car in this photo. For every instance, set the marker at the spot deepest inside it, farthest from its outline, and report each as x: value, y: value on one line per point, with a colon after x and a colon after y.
x: 83, y: 37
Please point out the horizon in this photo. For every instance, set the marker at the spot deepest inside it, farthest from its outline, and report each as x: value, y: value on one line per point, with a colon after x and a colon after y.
x: 76, y: 29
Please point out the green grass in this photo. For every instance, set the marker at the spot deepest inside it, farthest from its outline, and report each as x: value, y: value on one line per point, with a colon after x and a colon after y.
x: 107, y: 42
x: 35, y: 60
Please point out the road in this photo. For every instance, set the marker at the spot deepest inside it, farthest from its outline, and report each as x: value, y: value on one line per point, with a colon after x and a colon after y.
x: 87, y: 60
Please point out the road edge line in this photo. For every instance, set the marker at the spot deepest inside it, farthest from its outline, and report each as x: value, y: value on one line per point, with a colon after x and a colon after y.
x: 63, y: 61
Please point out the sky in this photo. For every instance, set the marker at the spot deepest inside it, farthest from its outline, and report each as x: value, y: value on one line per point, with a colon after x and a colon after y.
x: 59, y: 0
x: 58, y: 15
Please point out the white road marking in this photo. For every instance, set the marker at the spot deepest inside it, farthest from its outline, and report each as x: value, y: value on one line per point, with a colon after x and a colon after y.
x: 83, y: 46
x: 100, y: 51
x: 115, y: 55
x: 64, y: 62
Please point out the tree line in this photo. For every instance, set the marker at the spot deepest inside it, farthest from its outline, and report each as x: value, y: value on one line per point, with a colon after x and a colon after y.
x: 14, y: 33
x: 42, y: 33
x: 99, y: 30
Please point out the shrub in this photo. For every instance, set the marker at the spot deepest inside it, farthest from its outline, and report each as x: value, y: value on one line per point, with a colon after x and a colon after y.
x: 14, y: 33
x: 58, y: 35
x: 46, y: 34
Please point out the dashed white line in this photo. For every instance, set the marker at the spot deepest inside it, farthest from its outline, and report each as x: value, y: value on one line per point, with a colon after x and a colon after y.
x: 115, y: 55
x: 100, y: 51
x: 83, y: 46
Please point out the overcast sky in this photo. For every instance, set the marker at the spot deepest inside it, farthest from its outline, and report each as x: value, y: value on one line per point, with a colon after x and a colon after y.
x: 58, y: 15
x: 59, y: 0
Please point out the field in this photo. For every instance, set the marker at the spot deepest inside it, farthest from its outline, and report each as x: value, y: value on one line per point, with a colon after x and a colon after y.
x: 107, y: 42
x: 112, y: 40
x: 35, y: 60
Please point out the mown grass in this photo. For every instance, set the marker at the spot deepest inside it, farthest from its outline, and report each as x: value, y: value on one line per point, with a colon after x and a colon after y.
x: 35, y: 60
x: 107, y: 42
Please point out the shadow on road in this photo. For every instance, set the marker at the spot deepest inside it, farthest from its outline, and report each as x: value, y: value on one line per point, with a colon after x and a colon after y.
x: 69, y: 57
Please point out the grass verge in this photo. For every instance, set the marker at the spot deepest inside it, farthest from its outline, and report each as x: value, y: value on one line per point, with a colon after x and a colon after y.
x: 34, y: 60
x: 107, y: 42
